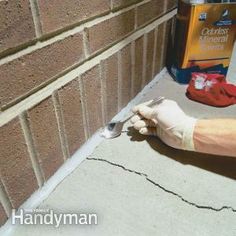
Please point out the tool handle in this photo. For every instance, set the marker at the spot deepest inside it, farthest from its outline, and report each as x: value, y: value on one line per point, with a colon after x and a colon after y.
x: 155, y: 101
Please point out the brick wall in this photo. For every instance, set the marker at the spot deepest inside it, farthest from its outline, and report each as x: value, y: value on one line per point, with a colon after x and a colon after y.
x: 66, y: 68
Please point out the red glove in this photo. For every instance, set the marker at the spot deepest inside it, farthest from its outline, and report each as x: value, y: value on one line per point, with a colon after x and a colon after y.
x: 211, y: 89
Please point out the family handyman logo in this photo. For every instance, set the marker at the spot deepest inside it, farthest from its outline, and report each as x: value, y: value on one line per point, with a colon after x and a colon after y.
x: 49, y: 217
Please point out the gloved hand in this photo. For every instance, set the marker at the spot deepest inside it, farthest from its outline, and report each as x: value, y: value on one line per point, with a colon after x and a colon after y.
x: 167, y: 121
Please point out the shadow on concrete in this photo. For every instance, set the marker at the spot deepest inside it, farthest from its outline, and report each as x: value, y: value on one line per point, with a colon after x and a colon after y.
x: 221, y: 165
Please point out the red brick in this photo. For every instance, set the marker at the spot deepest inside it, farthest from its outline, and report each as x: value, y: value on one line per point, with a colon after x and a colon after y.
x: 17, y: 25
x: 71, y: 106
x: 16, y: 169
x: 173, y: 26
x: 159, y: 49
x: 57, y: 14
x: 92, y: 98
x: 167, y: 43
x: 149, y: 56
x: 23, y: 75
x: 170, y: 46
x: 123, y: 3
x: 126, y: 75
x: 149, y: 11
x: 171, y: 4
x: 110, y: 31
x: 3, y: 215
x: 110, y: 86
x: 44, y: 129
x: 138, y: 69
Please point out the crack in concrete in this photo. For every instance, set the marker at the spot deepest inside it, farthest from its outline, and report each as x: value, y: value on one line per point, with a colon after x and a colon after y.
x: 163, y: 188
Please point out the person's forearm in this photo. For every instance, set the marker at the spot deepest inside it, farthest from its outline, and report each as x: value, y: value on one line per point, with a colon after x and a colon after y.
x: 215, y: 136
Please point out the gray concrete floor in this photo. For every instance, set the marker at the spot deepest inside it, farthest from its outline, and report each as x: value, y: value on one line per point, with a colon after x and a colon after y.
x: 139, y: 186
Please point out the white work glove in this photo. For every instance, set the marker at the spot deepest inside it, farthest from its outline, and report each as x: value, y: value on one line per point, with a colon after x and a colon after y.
x: 166, y: 121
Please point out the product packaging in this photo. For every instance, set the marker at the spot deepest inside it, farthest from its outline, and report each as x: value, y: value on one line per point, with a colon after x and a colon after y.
x: 204, y: 38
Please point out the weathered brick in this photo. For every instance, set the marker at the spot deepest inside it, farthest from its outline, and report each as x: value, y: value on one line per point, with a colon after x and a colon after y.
x: 149, y: 11
x: 171, y: 4
x: 149, y: 56
x: 44, y: 129
x: 138, y: 68
x: 126, y: 75
x: 110, y: 86
x: 159, y: 48
x: 16, y: 169
x: 123, y: 3
x: 22, y: 76
x: 57, y: 14
x: 3, y: 215
x: 167, y: 43
x: 17, y: 25
x: 92, y: 98
x: 116, y: 28
x: 170, y: 45
x: 71, y: 107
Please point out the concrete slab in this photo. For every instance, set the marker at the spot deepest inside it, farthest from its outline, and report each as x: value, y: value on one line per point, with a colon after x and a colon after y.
x: 139, y: 186
x: 168, y: 88
x: 128, y: 203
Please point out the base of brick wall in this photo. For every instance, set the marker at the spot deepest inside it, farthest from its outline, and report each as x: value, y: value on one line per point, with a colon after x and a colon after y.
x: 79, y: 156
x: 79, y: 73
